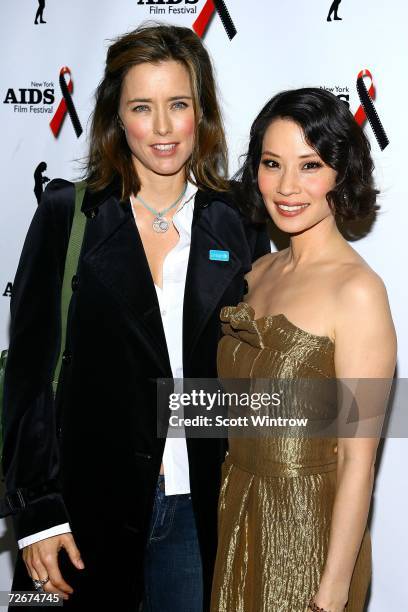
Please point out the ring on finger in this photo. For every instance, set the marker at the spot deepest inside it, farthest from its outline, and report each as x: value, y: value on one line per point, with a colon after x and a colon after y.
x: 39, y: 584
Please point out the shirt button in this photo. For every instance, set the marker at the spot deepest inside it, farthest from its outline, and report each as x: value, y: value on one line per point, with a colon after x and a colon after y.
x: 66, y: 358
x: 164, y: 312
x: 75, y: 282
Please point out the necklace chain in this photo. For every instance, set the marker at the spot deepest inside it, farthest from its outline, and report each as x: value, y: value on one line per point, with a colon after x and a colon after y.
x: 160, y: 223
x: 161, y: 213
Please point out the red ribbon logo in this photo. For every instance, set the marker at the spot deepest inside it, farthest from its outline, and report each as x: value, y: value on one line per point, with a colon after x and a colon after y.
x: 66, y: 105
x: 367, y: 110
x: 201, y: 23
x: 360, y: 115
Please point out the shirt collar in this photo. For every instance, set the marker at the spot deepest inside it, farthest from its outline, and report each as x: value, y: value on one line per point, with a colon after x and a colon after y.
x: 188, y: 196
x: 183, y: 217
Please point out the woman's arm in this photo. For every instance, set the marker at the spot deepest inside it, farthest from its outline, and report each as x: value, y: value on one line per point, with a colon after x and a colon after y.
x: 30, y: 455
x: 365, y: 348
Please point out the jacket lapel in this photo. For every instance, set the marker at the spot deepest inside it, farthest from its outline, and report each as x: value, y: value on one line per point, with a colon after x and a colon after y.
x: 114, y: 251
x: 207, y: 279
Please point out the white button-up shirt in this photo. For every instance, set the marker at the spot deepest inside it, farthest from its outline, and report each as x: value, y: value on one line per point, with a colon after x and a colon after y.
x: 171, y: 299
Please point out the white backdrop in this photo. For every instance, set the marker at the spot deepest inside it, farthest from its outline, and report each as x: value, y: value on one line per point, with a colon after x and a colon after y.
x: 279, y: 44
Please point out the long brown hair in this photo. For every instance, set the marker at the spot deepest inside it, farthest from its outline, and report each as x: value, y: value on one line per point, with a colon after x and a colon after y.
x: 109, y: 154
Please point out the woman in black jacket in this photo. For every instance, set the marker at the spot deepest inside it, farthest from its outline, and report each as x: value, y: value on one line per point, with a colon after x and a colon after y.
x: 104, y: 509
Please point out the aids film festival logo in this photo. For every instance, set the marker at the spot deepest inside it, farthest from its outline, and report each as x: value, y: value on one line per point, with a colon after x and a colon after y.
x: 39, y: 99
x: 170, y: 7
x: 341, y: 91
x: 205, y: 12
x: 35, y: 98
x: 366, y: 113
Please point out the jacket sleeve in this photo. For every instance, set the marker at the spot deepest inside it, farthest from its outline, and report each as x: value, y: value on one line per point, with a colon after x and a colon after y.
x: 42, y: 535
x: 30, y: 457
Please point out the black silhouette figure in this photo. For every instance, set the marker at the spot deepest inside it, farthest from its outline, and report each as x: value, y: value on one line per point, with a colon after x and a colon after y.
x: 39, y: 180
x: 333, y: 9
x: 39, y: 13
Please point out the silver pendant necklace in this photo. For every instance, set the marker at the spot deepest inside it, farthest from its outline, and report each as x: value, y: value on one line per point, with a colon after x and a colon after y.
x: 160, y: 223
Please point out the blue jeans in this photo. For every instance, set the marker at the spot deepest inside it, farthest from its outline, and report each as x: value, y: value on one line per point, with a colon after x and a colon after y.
x: 173, y: 574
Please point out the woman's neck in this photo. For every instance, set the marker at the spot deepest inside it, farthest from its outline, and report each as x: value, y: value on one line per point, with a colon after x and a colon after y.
x: 160, y: 191
x: 315, y: 243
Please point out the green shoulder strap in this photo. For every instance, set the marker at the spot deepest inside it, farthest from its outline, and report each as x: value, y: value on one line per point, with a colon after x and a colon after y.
x: 71, y: 264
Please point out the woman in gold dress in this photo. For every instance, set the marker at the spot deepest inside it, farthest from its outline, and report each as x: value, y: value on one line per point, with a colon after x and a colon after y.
x: 293, y: 510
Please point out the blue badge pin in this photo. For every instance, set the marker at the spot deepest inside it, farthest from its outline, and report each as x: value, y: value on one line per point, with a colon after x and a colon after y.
x: 216, y: 255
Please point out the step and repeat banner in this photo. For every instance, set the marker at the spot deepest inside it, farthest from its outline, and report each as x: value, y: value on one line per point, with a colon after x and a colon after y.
x: 53, y: 54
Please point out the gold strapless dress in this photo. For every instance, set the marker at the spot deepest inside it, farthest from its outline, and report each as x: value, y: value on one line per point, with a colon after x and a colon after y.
x: 277, y: 493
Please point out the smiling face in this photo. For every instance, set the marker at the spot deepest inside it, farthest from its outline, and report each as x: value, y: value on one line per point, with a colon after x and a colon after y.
x: 157, y: 112
x: 293, y: 179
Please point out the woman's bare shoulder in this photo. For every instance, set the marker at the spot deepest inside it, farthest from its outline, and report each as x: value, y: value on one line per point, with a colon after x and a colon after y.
x: 366, y: 342
x: 362, y: 297
x: 261, y: 265
x: 359, y: 282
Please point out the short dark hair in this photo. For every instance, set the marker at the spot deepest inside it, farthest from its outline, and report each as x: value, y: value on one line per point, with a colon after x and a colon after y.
x: 109, y: 154
x: 331, y: 130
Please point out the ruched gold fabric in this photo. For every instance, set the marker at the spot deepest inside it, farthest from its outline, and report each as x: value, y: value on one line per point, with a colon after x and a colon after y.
x: 277, y: 493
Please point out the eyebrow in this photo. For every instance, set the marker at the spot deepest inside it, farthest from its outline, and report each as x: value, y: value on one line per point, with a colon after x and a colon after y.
x: 300, y: 156
x: 172, y: 99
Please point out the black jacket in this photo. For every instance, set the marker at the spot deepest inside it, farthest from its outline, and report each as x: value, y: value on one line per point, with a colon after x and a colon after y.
x: 92, y: 457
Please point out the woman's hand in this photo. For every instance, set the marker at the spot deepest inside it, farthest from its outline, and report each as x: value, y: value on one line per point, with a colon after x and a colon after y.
x: 41, y: 559
x: 331, y: 595
x: 329, y: 603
